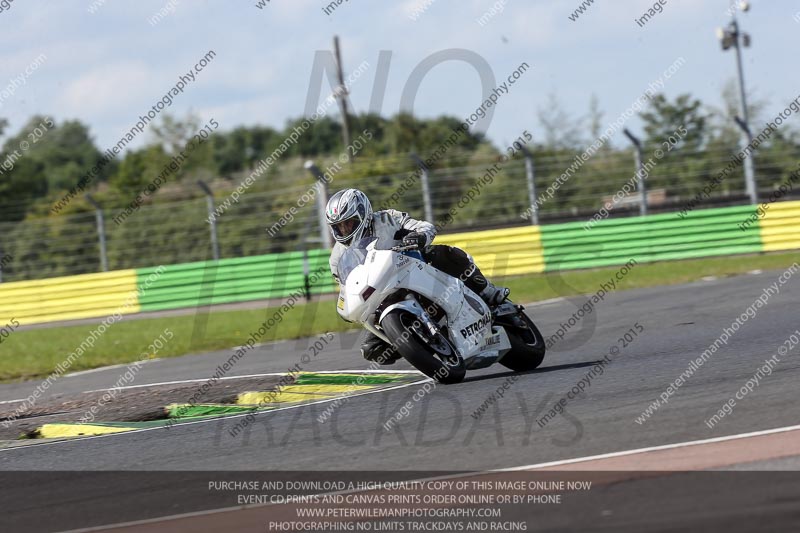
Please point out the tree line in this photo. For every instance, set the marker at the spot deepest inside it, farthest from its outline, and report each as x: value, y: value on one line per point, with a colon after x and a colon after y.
x: 42, y: 161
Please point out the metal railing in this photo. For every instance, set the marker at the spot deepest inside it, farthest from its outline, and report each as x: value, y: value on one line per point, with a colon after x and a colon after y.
x: 169, y: 231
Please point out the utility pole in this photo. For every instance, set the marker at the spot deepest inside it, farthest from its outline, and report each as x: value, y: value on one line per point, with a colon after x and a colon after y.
x: 341, y: 96
x: 322, y: 200
x: 427, y: 202
x: 530, y: 179
x: 637, y: 144
x: 212, y: 217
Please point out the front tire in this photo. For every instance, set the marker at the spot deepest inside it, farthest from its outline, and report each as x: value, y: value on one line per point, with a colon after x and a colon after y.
x: 436, y: 358
x: 527, y: 345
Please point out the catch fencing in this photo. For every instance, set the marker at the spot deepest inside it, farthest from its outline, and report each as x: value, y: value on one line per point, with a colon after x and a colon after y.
x: 173, y: 228
x: 502, y: 252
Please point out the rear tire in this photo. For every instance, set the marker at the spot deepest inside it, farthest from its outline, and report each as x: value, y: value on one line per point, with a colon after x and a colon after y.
x: 439, y: 361
x: 527, y: 346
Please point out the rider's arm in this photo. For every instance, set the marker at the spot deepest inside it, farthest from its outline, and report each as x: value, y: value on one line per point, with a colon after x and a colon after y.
x: 412, y: 225
x: 333, y: 262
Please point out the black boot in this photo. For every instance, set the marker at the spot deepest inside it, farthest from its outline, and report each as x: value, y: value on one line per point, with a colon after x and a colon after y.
x: 494, y: 295
x: 489, y: 293
x: 376, y: 350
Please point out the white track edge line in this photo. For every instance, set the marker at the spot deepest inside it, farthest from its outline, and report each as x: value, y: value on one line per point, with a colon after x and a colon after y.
x: 94, y: 370
x: 453, y: 476
x: 653, y: 449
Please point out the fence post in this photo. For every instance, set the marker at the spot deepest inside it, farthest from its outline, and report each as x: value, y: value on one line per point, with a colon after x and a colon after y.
x: 426, y: 189
x: 642, y: 184
x: 101, y: 232
x: 530, y: 178
x: 306, y: 272
x: 212, y: 217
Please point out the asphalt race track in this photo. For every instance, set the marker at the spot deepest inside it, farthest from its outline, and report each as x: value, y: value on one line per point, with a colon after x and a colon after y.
x: 439, y: 433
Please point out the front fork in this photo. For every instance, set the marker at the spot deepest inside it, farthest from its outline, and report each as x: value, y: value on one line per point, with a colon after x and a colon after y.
x: 428, y: 329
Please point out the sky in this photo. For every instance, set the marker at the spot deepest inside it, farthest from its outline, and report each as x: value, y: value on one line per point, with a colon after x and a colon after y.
x: 108, y: 66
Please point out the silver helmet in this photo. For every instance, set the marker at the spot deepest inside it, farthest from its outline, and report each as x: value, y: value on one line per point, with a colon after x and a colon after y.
x: 348, y: 214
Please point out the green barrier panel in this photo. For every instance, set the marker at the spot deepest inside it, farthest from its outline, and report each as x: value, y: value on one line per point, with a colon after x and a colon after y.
x: 232, y: 280
x: 654, y: 238
x: 217, y: 300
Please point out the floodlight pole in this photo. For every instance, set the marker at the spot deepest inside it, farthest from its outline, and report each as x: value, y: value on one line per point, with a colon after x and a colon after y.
x: 736, y: 39
x: 749, y: 170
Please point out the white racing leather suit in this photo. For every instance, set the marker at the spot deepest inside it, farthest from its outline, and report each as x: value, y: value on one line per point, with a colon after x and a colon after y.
x: 393, y: 224
x: 388, y: 224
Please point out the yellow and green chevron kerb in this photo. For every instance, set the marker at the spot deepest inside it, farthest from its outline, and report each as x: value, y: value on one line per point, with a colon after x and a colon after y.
x: 68, y: 431
x: 502, y: 252
x: 307, y: 387
x: 69, y: 298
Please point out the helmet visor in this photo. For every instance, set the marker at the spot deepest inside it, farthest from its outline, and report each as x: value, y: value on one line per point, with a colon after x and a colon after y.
x: 346, y: 228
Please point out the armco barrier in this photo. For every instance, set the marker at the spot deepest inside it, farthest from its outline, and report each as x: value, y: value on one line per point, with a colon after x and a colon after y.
x: 703, y: 233
x: 156, y: 289
x: 233, y: 280
x: 780, y: 227
x: 69, y: 298
x: 506, y: 252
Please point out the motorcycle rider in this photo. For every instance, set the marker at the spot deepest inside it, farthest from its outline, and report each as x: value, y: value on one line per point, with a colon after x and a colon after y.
x: 350, y: 217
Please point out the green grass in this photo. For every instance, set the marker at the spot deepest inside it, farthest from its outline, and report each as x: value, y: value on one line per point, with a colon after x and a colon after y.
x: 553, y: 285
x: 36, y: 352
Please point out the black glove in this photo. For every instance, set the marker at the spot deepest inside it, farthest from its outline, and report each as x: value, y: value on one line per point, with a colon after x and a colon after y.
x: 420, y: 240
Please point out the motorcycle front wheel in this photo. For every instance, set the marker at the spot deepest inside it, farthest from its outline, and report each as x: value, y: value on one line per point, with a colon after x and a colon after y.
x: 434, y: 356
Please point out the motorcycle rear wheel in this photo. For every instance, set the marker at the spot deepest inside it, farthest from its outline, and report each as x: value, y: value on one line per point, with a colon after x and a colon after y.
x: 527, y: 346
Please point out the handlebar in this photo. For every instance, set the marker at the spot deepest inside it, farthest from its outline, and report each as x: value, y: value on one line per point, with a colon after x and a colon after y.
x: 405, y: 247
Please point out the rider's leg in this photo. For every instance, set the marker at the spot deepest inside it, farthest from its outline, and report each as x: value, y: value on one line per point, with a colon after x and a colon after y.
x: 459, y: 264
x: 377, y: 350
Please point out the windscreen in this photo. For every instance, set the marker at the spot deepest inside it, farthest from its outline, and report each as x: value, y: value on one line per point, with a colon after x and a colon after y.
x: 354, y: 256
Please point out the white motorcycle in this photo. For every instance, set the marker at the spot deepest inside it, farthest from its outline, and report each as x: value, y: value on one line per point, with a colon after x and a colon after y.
x: 433, y: 320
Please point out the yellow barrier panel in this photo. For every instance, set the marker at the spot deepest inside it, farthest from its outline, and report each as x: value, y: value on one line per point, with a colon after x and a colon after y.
x: 780, y: 227
x: 502, y: 252
x: 69, y: 298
